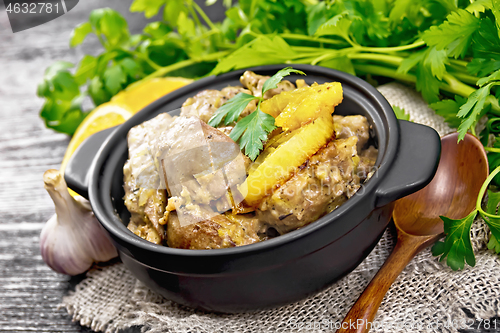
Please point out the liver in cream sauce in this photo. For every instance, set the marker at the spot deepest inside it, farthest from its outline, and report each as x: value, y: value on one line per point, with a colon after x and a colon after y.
x: 320, y: 185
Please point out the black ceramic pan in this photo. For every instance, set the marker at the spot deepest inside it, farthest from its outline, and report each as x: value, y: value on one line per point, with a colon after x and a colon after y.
x: 288, y: 267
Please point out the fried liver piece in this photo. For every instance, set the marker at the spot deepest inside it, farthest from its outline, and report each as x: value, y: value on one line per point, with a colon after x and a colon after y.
x: 144, y: 198
x: 219, y: 231
x: 255, y: 82
x: 204, y: 104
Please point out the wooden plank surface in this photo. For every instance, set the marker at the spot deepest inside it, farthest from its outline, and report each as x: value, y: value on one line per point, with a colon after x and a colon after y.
x: 30, y: 291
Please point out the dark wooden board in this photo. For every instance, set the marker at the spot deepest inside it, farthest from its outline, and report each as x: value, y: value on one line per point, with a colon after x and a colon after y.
x: 30, y: 292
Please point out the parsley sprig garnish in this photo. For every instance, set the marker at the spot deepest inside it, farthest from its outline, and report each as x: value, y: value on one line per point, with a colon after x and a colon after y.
x: 253, y: 129
x: 457, y: 246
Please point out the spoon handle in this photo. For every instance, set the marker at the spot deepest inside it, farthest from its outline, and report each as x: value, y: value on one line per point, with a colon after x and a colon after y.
x: 360, y: 317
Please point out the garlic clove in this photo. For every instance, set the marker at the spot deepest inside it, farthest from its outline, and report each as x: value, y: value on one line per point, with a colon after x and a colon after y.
x: 59, y: 252
x: 72, y: 239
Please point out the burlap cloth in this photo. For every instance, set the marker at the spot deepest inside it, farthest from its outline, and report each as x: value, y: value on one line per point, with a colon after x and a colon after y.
x: 426, y: 297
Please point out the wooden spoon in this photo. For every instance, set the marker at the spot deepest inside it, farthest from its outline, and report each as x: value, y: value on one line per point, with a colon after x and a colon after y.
x: 453, y: 191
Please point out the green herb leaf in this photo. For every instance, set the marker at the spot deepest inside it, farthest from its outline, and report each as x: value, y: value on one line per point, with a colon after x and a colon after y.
x: 448, y: 109
x: 273, y: 81
x: 251, y: 131
x: 479, y: 6
x: 427, y: 83
x: 186, y: 25
x: 342, y: 63
x: 493, y: 201
x: 172, y: 10
x: 483, y: 67
x: 494, y: 244
x: 455, y: 34
x: 79, y: 33
x: 97, y: 91
x: 157, y: 30
x: 86, y: 69
x: 110, y: 24
x: 57, y: 67
x: 58, y: 82
x: 400, y: 113
x: 231, y: 110
x: 436, y: 61
x: 316, y: 17
x: 114, y: 77
x: 457, y: 247
x: 409, y: 63
x: 260, y: 51
x: 336, y: 26
x: 149, y: 7
x: 486, y: 41
x: 493, y: 223
x: 494, y: 161
x: 131, y: 68
x: 489, y: 79
x: 471, y: 110
x: 399, y: 11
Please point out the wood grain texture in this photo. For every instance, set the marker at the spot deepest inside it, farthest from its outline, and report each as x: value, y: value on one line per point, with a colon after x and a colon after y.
x: 30, y: 292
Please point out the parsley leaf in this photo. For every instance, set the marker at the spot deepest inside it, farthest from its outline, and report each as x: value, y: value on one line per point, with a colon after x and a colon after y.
x: 263, y: 50
x: 110, y: 24
x: 471, y: 110
x: 427, y: 83
x: 97, y: 92
x: 273, y: 81
x: 436, y: 61
x: 251, y: 131
x: 231, y: 110
x: 149, y: 7
x: 342, y: 63
x: 410, y: 62
x: 114, y: 77
x: 86, y: 69
x: 79, y: 33
x: 448, y: 109
x: 494, y: 161
x: 455, y: 34
x: 494, y: 244
x: 336, y: 26
x: 430, y: 68
x: 489, y: 79
x: 316, y: 17
x: 400, y: 113
x: 493, y: 223
x: 457, y: 247
x: 479, y: 6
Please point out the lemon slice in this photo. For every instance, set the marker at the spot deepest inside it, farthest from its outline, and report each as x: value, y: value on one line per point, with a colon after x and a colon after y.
x: 104, y: 116
x: 139, y: 94
x: 121, y: 107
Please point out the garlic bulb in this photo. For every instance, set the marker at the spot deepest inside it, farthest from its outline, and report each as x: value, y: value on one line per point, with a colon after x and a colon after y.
x: 72, y: 239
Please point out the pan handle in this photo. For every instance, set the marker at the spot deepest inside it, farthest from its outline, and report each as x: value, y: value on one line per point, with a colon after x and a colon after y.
x: 77, y: 170
x: 414, y: 166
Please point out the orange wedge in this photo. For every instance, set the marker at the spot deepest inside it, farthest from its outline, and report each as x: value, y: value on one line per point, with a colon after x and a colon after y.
x: 280, y: 163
